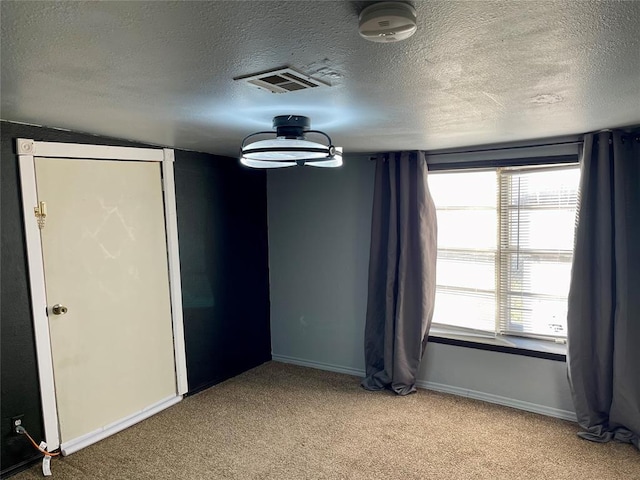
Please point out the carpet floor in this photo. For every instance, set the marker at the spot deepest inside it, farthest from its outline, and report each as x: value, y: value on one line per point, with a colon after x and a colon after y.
x: 286, y: 422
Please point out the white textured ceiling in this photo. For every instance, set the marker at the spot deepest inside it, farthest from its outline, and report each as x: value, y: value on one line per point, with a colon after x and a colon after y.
x: 475, y: 72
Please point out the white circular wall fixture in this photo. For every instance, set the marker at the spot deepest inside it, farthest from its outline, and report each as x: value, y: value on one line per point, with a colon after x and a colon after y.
x: 386, y: 22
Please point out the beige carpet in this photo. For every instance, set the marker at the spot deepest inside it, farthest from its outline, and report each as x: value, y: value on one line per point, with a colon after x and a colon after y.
x: 286, y: 422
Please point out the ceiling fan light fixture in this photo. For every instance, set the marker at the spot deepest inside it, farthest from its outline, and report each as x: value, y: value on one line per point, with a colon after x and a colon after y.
x: 290, y: 147
x: 328, y: 163
x: 265, y: 164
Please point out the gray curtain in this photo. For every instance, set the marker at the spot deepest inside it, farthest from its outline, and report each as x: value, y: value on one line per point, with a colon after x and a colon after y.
x: 604, y: 298
x: 402, y: 267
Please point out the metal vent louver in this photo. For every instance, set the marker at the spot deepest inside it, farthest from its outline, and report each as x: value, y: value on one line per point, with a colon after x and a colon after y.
x: 282, y: 80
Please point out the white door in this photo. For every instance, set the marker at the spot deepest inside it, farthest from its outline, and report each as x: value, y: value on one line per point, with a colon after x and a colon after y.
x: 105, y: 259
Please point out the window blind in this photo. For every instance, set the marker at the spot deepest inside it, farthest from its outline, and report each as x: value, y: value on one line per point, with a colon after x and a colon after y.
x: 505, y: 246
x: 537, y: 220
x: 467, y: 248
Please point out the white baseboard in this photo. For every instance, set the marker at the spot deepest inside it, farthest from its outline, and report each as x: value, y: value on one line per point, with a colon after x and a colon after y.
x: 356, y: 372
x: 439, y: 387
x: 76, y: 444
x: 498, y: 399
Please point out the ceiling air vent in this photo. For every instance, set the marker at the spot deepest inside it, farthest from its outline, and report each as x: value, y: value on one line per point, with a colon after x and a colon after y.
x: 282, y: 80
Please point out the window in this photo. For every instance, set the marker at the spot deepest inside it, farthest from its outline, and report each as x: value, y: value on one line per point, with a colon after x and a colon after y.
x: 505, y: 246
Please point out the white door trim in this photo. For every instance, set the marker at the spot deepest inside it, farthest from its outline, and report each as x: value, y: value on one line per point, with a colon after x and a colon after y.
x: 28, y: 149
x: 108, y: 430
x: 175, y: 286
x: 79, y: 150
x: 39, y: 302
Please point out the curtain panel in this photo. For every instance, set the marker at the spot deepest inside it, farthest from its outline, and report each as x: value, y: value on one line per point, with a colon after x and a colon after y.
x: 402, y: 267
x: 604, y: 299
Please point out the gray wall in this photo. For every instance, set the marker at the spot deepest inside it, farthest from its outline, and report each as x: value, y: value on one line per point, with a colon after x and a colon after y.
x: 319, y: 226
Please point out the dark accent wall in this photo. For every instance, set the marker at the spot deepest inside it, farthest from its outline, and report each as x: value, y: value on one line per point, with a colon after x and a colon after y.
x: 222, y: 229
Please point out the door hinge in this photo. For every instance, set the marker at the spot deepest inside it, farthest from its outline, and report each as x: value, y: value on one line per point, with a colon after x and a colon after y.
x: 40, y: 213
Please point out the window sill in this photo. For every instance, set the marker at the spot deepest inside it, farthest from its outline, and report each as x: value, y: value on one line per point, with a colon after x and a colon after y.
x: 527, y: 347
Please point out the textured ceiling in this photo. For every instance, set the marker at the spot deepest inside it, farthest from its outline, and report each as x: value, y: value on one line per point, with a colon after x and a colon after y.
x: 474, y: 73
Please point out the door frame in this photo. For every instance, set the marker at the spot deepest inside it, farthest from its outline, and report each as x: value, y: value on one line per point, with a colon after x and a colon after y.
x: 27, y: 150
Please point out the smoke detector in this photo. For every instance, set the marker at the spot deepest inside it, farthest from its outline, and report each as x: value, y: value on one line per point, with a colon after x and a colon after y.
x: 386, y: 22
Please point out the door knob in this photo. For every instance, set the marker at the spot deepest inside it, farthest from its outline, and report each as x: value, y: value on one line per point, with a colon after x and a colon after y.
x: 59, y: 309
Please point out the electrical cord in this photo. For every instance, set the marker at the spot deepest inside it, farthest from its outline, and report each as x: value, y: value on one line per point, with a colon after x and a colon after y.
x: 22, y: 431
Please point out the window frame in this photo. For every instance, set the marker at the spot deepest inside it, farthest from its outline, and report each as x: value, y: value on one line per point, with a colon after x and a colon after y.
x: 567, y: 151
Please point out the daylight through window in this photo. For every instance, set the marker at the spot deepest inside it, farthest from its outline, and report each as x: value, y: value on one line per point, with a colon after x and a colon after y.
x: 505, y: 246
